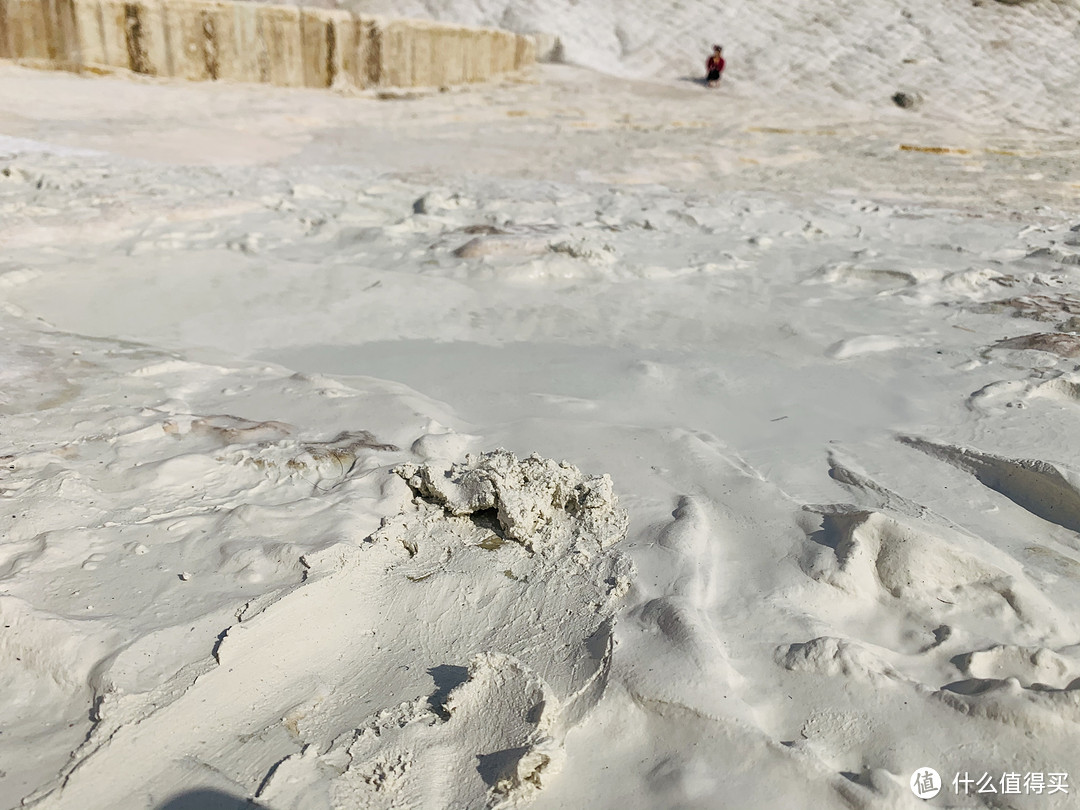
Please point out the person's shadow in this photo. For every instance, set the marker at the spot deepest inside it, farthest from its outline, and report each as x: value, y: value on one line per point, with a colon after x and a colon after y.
x: 207, y: 799
x: 701, y: 81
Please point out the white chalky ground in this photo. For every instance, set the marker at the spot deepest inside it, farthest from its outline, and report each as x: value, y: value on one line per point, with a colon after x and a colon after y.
x: 824, y: 348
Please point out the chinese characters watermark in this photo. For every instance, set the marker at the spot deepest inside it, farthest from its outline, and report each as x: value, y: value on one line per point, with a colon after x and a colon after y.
x: 926, y: 783
x: 1012, y: 783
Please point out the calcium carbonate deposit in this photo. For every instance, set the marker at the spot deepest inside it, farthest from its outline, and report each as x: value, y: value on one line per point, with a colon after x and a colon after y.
x: 501, y: 598
x: 587, y: 439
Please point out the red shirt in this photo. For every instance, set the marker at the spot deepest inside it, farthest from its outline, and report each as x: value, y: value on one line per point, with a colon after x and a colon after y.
x: 715, y: 63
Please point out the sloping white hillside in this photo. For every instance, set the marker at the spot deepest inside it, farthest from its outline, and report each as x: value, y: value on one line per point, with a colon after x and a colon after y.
x: 1015, y: 62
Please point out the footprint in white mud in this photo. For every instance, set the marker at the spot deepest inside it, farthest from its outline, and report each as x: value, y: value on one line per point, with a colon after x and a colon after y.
x: 502, y: 246
x: 846, y: 274
x: 935, y: 636
x: 493, y: 741
x: 34, y: 378
x: 1043, y: 384
x: 873, y: 554
x: 676, y: 626
x: 229, y: 453
x: 1030, y: 666
x: 836, y: 658
x: 1038, y: 711
x: 503, y: 563
x: 925, y: 583
x: 899, y: 553
x: 869, y: 344
x: 1001, y: 394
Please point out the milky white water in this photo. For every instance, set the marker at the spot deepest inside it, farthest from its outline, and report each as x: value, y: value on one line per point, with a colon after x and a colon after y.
x: 825, y: 354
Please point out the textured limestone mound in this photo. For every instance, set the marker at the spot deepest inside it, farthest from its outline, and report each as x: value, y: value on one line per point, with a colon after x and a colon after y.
x: 438, y: 663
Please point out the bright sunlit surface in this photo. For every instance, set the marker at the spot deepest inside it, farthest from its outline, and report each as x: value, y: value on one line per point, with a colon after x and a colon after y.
x: 589, y: 438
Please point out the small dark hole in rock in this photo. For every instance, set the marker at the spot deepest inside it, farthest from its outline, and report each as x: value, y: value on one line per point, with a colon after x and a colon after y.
x: 904, y: 100
x: 488, y: 519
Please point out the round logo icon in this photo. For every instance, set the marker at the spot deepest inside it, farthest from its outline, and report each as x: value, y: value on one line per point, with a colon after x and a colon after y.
x: 925, y: 783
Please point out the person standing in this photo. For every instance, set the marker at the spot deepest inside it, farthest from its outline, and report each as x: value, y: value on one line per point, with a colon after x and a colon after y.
x: 714, y: 66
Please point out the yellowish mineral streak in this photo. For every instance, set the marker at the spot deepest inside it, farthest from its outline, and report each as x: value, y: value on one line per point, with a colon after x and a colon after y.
x: 241, y: 41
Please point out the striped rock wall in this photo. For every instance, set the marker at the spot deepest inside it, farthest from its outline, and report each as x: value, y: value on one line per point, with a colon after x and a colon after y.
x: 291, y: 46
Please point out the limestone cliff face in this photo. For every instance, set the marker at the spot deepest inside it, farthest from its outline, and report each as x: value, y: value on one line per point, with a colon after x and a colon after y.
x: 247, y: 42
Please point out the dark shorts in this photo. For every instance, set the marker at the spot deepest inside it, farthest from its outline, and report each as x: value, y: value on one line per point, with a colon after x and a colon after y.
x: 714, y: 76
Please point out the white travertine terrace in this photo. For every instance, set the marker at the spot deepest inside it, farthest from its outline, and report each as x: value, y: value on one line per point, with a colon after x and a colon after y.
x: 288, y: 46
